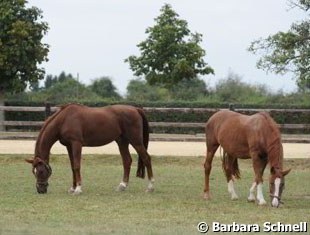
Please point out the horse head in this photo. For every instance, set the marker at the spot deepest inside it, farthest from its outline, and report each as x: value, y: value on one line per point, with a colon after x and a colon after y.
x: 42, y: 171
x: 277, y: 185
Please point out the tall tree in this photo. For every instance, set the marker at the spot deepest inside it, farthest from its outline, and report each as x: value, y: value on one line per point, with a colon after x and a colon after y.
x: 51, y: 80
x: 171, y: 52
x: 288, y: 51
x: 21, y: 49
x: 104, y: 88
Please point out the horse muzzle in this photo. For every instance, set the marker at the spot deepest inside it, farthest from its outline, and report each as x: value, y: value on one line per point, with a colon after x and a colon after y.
x: 275, y: 201
x: 42, y: 188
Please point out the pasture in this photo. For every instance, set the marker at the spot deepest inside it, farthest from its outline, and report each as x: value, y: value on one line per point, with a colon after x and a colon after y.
x: 175, y: 207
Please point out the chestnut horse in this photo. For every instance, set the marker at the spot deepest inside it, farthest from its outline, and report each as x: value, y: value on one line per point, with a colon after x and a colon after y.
x: 242, y: 136
x: 77, y: 125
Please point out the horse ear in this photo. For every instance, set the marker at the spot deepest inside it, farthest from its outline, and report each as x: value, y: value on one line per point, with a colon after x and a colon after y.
x: 29, y: 161
x: 284, y: 173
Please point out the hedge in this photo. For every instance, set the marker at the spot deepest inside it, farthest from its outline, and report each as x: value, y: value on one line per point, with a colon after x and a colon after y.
x: 279, y: 117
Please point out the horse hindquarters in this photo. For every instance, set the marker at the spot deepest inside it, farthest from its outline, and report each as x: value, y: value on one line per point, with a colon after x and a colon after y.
x: 145, y: 132
x: 212, y: 146
x: 140, y: 145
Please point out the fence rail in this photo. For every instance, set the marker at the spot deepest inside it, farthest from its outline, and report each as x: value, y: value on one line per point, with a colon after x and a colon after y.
x: 48, y: 110
x: 154, y: 124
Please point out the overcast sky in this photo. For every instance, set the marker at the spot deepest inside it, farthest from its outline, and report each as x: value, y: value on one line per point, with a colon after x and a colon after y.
x: 93, y: 37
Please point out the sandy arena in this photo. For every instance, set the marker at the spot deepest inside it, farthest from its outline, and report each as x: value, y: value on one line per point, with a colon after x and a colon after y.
x: 157, y: 148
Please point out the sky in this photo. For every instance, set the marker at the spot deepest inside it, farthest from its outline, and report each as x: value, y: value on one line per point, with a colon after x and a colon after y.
x: 92, y: 38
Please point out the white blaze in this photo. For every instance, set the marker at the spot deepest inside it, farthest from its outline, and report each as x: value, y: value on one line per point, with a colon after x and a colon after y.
x: 275, y: 200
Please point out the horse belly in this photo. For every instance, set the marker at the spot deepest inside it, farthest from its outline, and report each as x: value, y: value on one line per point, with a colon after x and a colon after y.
x: 237, y: 151
x: 100, y: 136
x: 238, y: 148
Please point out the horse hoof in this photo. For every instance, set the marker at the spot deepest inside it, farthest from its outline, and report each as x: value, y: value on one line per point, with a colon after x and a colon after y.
x: 76, y: 191
x: 251, y: 199
x: 121, y: 187
x: 234, y: 198
x: 149, y: 190
x: 262, y: 203
x: 71, y: 190
x: 206, y: 196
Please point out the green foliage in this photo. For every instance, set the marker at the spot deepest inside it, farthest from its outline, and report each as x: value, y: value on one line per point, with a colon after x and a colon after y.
x: 51, y: 80
x: 288, y: 51
x: 233, y: 90
x: 139, y: 90
x: 171, y: 52
x: 64, y: 88
x: 21, y: 49
x: 104, y: 88
x: 189, y: 90
x: 69, y: 91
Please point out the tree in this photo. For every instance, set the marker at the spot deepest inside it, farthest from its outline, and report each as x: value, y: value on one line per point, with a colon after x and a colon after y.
x: 233, y: 89
x: 69, y: 90
x: 288, y: 51
x: 21, y: 49
x: 51, y: 80
x: 171, y: 52
x: 138, y: 90
x: 189, y: 90
x: 105, y: 88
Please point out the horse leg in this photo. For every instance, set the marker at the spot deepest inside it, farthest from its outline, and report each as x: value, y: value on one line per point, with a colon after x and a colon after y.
x: 211, y: 149
x: 71, y: 189
x: 251, y: 197
x: 76, y: 149
x: 127, y: 160
x: 259, y: 165
x: 228, y: 166
x: 145, y: 157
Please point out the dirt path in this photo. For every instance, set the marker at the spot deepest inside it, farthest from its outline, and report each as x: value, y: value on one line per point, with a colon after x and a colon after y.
x: 155, y: 148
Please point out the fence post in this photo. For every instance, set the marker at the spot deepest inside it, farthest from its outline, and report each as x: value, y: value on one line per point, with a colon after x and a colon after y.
x: 232, y: 107
x: 47, y: 110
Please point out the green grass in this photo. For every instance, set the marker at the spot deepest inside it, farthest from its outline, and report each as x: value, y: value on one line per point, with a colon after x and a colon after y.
x: 175, y: 207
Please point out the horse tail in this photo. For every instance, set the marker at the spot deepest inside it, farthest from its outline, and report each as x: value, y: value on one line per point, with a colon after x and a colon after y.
x: 236, y: 171
x: 141, y: 165
x: 146, y: 128
x: 230, y: 163
x: 224, y: 159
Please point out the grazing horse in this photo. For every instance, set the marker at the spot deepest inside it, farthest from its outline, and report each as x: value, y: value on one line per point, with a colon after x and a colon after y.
x: 76, y: 125
x: 242, y: 136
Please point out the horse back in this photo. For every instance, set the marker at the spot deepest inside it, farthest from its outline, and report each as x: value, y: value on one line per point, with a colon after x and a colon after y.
x: 98, y: 126
x: 238, y: 133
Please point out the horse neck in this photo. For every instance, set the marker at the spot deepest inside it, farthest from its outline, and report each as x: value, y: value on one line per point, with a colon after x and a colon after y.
x: 46, y: 139
x: 275, y: 154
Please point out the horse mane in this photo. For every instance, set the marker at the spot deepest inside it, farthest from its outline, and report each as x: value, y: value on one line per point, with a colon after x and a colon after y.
x: 46, y: 123
x: 274, y: 143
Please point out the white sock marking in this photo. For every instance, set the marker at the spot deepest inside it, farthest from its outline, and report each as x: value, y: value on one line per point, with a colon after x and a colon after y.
x: 251, y: 197
x: 78, y: 190
x: 150, y: 187
x: 231, y: 190
x: 260, y: 196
